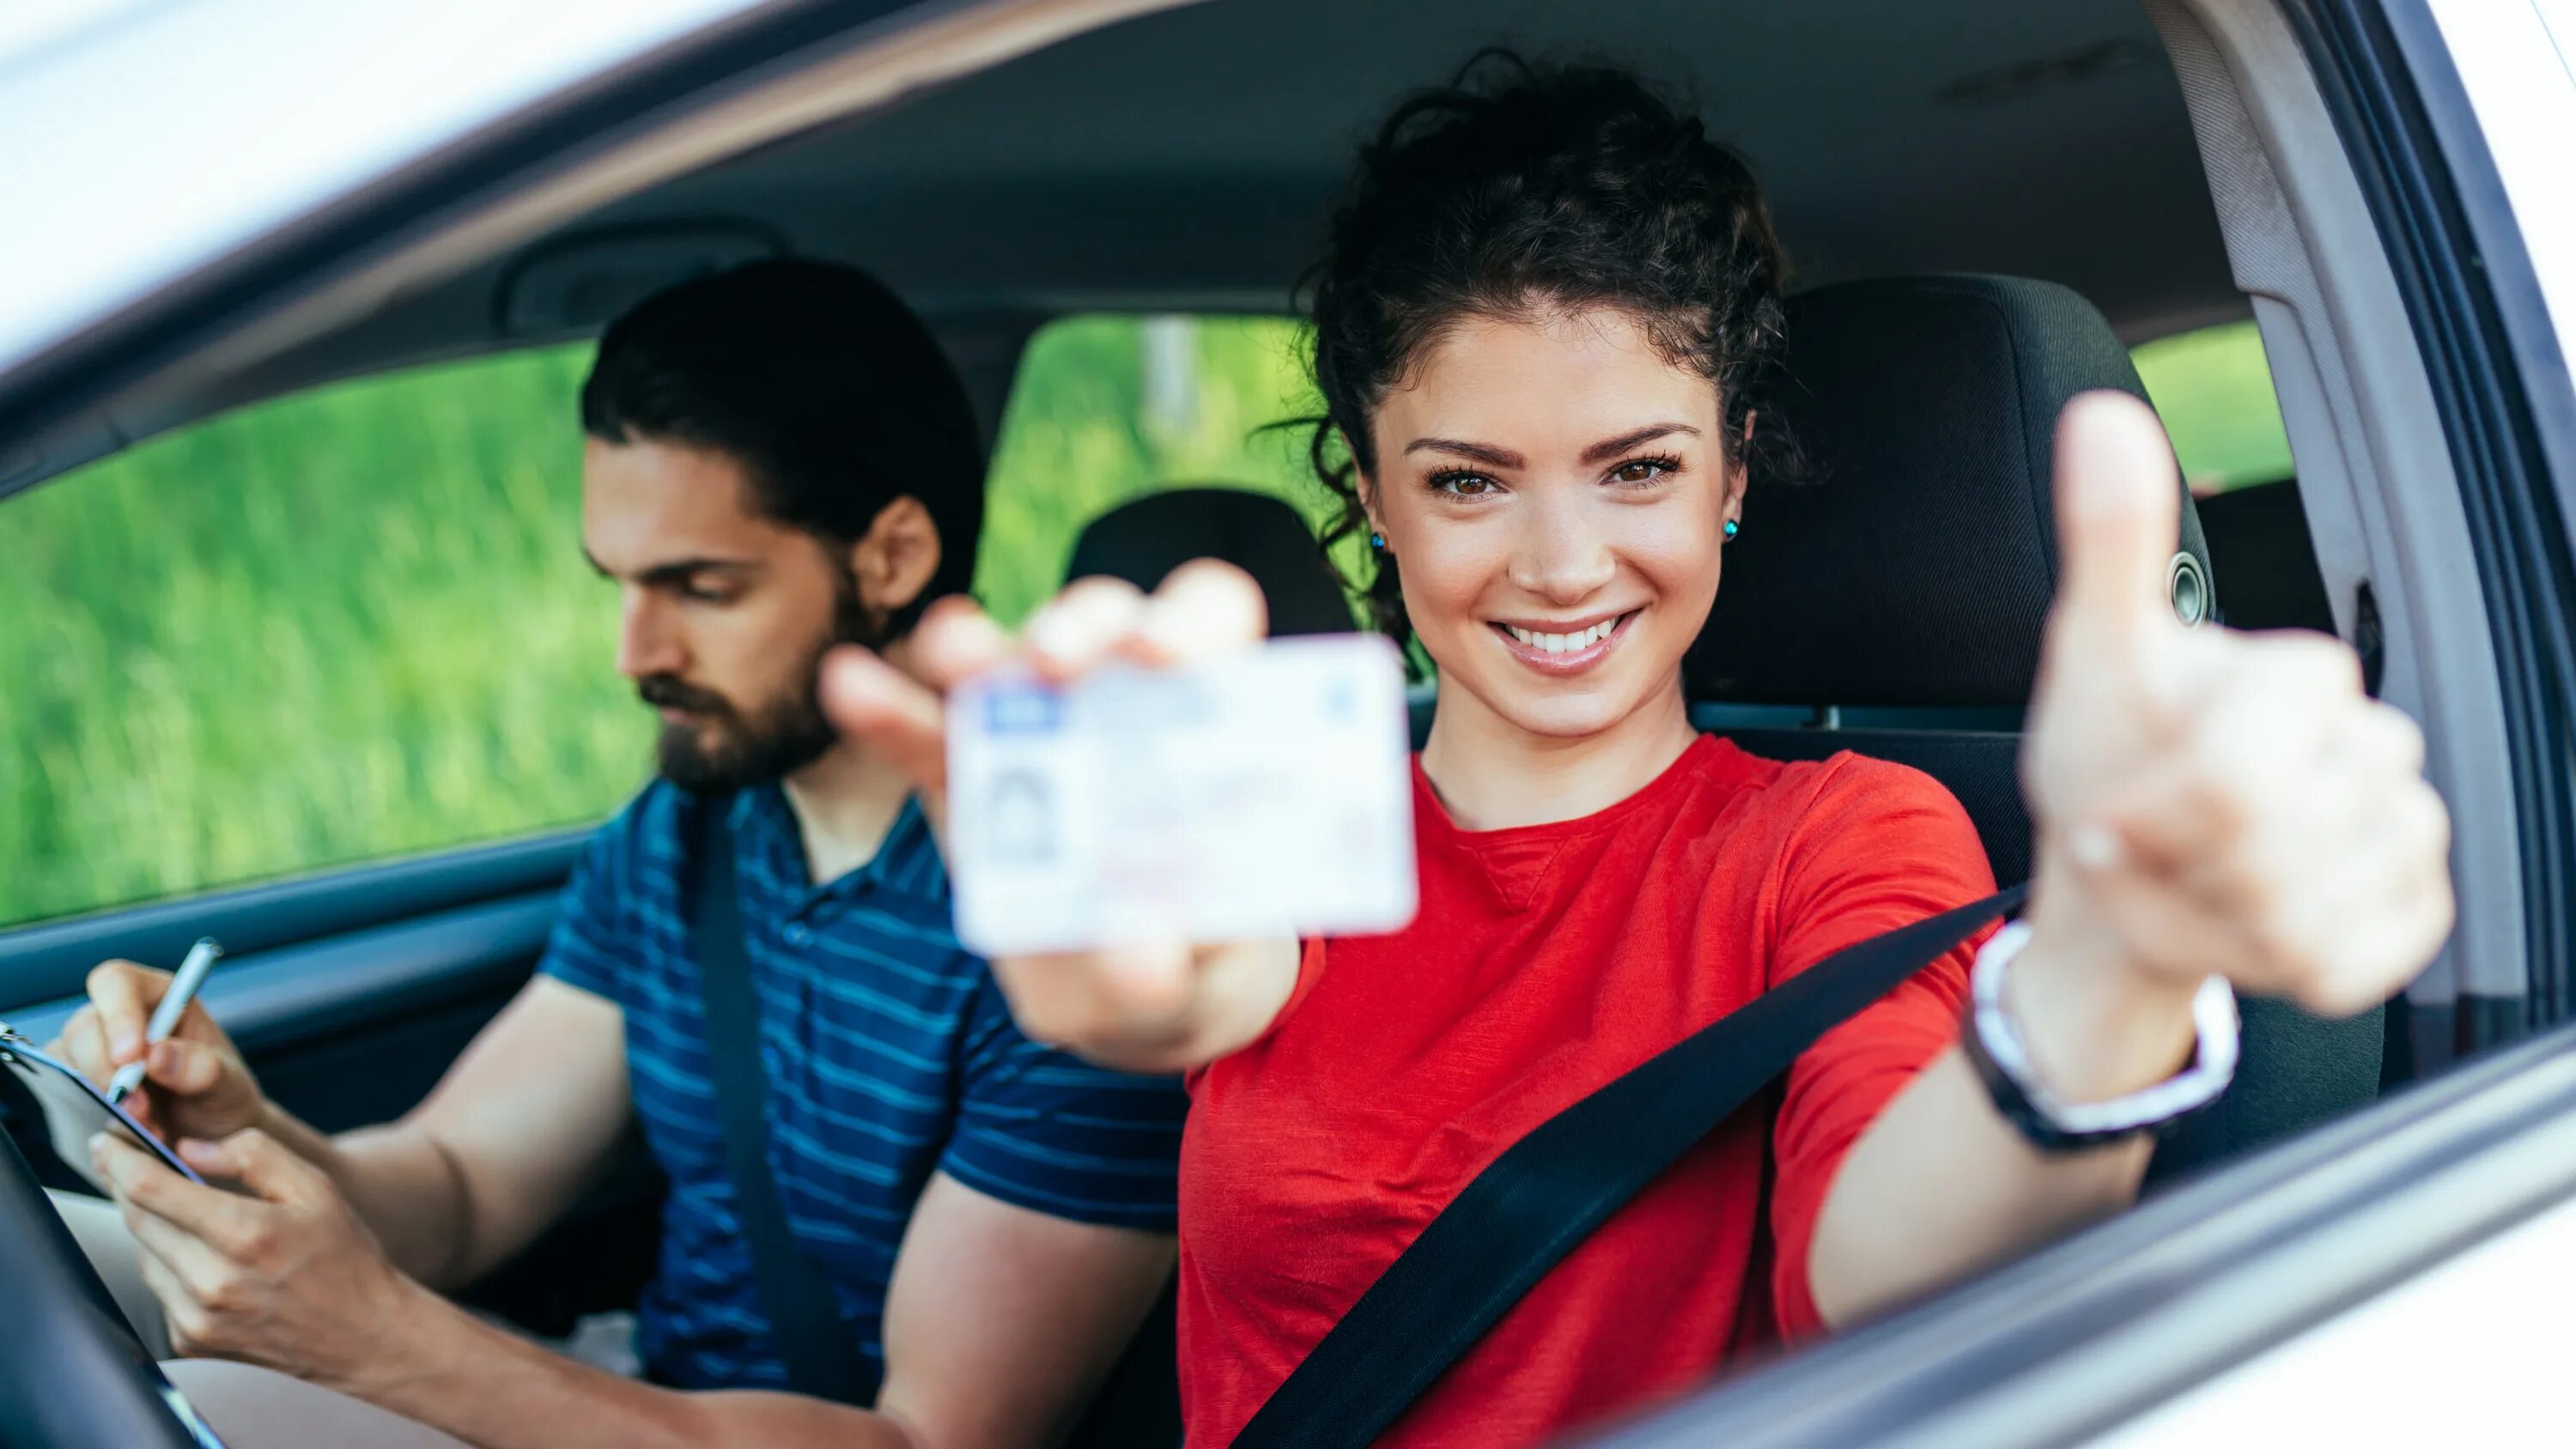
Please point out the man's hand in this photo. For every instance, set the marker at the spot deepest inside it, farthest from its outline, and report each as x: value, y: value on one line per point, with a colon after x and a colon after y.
x: 195, y: 1083
x: 281, y: 1274
x: 2207, y: 801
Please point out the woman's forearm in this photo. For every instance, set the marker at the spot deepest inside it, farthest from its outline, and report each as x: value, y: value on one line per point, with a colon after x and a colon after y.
x: 1941, y: 1185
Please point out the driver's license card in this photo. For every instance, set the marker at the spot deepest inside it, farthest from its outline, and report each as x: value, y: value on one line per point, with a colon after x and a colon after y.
x: 1265, y: 793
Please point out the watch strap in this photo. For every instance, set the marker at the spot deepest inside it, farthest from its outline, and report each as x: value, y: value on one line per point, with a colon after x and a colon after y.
x: 1995, y: 1047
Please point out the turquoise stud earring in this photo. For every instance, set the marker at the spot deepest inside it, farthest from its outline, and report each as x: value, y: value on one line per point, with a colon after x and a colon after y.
x: 1378, y: 540
x: 1733, y: 528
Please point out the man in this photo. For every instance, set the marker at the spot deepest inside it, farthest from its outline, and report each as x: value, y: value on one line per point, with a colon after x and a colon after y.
x: 779, y: 460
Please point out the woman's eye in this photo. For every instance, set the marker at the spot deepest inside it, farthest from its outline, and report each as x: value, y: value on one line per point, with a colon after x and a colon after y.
x: 1641, y: 470
x: 1463, y: 485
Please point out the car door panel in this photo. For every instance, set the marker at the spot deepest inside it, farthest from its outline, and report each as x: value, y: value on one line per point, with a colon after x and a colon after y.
x: 350, y: 993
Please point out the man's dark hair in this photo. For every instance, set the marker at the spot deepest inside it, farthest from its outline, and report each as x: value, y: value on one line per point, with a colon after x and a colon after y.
x: 827, y: 389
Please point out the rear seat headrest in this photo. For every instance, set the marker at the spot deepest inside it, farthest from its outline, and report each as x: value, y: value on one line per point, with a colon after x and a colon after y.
x: 1917, y: 565
x: 1144, y: 539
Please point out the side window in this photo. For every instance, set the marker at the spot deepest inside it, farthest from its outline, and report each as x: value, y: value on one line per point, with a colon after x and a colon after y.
x: 2214, y: 389
x: 339, y: 626
x: 1106, y: 407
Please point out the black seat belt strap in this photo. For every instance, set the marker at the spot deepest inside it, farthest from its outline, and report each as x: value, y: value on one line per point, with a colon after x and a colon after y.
x: 819, y: 1347
x: 1532, y: 1205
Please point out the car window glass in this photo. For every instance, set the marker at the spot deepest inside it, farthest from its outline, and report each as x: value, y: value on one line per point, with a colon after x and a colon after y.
x: 1106, y: 407
x: 341, y: 625
x: 2214, y: 389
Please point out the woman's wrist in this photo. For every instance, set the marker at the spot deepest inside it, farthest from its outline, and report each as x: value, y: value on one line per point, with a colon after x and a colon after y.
x: 2095, y: 1024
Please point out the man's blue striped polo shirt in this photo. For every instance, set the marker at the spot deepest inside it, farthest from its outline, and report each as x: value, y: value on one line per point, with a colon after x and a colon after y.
x: 891, y: 1055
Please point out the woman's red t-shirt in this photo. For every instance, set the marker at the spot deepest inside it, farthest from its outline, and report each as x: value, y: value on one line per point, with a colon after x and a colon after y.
x: 1545, y: 961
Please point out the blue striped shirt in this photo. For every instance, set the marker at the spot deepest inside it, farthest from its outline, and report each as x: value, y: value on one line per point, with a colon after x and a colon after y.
x: 891, y: 1055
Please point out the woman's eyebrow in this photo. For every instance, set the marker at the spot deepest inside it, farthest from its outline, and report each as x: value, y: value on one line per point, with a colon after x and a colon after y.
x: 1481, y: 452
x: 1608, y: 448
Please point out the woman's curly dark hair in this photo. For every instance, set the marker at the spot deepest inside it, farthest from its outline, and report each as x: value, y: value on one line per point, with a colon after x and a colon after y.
x: 1522, y: 187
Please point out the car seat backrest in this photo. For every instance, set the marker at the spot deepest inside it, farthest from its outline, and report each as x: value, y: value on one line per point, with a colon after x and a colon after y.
x: 1915, y: 566
x: 1908, y: 580
x: 1146, y: 538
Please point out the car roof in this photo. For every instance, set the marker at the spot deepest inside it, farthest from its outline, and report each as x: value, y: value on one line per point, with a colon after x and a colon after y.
x: 153, y: 138
x: 1185, y: 159
x: 1195, y: 151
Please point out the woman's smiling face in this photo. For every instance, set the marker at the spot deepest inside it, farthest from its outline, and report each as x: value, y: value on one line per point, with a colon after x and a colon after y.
x: 1554, y: 492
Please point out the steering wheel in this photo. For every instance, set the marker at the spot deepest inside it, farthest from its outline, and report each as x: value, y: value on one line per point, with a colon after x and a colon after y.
x: 71, y: 1372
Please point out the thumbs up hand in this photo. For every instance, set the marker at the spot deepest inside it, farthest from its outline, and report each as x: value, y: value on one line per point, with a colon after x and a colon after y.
x: 2206, y: 801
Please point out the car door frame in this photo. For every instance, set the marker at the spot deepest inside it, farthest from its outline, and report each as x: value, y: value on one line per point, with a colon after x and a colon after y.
x: 2137, y: 1310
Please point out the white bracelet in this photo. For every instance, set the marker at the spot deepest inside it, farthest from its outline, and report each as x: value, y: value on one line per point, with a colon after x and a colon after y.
x: 1999, y: 1040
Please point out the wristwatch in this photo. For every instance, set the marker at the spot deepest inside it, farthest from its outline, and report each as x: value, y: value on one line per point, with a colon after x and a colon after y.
x: 2054, y: 1125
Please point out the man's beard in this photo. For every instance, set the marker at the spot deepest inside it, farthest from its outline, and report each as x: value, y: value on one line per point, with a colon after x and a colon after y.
x: 727, y: 748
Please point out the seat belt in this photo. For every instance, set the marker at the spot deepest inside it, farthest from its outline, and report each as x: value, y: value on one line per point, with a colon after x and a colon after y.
x: 1547, y: 1192
x: 817, y: 1344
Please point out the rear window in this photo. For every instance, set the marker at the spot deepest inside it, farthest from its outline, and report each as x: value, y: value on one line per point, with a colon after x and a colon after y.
x: 2214, y: 388
x: 1107, y: 407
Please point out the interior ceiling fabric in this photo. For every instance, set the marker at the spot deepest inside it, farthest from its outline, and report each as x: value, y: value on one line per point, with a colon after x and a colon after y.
x: 1200, y: 146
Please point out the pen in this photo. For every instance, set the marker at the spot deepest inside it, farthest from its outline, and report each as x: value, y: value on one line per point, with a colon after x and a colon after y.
x: 165, y: 1017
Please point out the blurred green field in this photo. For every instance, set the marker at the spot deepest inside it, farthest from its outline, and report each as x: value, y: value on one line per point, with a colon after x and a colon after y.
x: 355, y: 623
x: 2215, y: 391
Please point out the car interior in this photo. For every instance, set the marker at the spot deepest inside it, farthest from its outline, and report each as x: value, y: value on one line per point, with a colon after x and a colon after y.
x: 1988, y: 206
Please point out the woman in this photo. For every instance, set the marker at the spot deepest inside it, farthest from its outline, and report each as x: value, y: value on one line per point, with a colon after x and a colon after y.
x: 1544, y: 332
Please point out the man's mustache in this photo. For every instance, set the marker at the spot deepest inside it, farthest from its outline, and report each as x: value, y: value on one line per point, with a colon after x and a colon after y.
x: 667, y: 691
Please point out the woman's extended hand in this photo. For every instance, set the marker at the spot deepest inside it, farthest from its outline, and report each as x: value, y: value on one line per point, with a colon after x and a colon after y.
x: 1147, y: 1007
x: 2209, y: 801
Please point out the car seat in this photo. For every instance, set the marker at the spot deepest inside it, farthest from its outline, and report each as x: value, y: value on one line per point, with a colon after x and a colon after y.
x: 1146, y: 538
x: 1895, y: 599
x: 1891, y: 604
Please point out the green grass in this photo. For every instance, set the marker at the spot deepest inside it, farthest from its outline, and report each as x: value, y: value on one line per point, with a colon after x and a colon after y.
x: 355, y: 623
x: 345, y: 625
x: 2214, y: 389
x: 1081, y: 435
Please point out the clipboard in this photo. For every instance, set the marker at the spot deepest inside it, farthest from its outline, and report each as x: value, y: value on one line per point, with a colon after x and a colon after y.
x: 74, y: 1107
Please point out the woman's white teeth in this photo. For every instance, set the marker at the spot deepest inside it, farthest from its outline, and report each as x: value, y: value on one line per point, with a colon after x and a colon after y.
x: 1561, y: 643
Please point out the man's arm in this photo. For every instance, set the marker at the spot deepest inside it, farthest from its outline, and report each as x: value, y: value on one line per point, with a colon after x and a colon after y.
x: 1000, y: 1323
x: 526, y: 1120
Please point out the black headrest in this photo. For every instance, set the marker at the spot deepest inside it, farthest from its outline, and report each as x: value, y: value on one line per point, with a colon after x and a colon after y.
x: 1144, y: 539
x: 1916, y: 566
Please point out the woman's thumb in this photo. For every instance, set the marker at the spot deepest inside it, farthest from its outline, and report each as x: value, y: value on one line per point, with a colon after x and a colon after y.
x: 2118, y: 512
